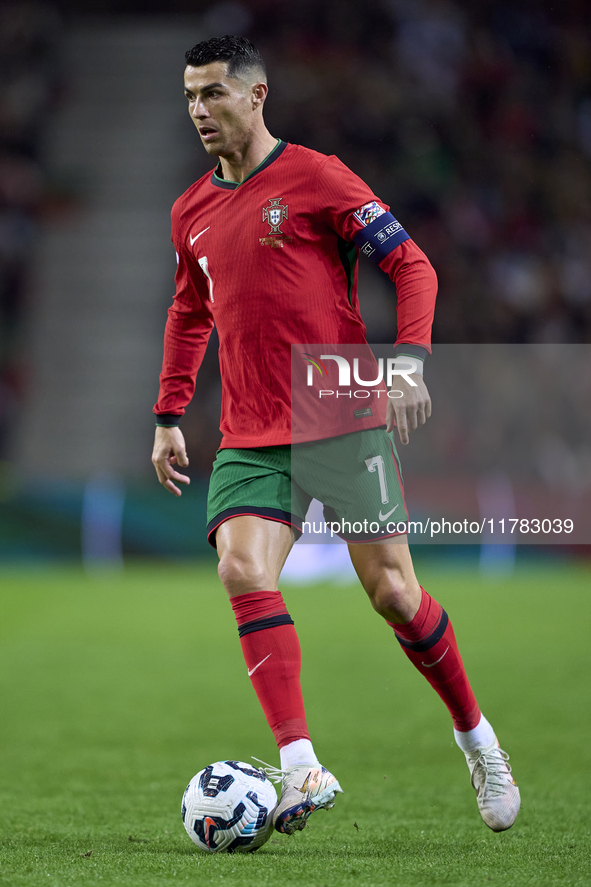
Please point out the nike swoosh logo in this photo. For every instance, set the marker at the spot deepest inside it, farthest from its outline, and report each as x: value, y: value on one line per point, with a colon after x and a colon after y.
x: 431, y: 664
x: 197, y: 236
x: 304, y: 788
x: 386, y: 516
x: 251, y: 671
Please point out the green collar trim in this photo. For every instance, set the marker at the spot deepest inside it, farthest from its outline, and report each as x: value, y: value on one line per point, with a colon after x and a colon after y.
x: 218, y: 180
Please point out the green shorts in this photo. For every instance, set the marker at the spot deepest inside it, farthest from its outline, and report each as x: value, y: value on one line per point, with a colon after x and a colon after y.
x: 356, y: 476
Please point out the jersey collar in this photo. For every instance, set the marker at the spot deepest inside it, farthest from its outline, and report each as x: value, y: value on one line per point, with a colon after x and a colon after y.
x: 218, y: 180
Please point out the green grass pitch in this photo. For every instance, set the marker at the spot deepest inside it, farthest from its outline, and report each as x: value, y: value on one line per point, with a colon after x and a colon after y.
x: 115, y: 690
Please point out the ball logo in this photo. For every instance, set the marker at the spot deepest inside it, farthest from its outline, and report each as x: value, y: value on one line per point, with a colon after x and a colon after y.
x: 210, y: 828
x: 212, y: 785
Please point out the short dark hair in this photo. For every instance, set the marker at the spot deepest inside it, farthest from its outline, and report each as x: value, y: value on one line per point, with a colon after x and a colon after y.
x: 242, y: 56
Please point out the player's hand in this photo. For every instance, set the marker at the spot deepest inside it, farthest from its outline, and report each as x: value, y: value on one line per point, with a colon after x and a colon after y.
x: 409, y: 411
x: 169, y: 450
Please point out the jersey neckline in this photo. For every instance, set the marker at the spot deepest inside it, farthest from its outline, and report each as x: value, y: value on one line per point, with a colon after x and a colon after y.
x: 232, y: 186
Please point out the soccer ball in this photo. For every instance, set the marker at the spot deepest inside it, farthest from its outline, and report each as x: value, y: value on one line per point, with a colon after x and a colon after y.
x: 228, y: 806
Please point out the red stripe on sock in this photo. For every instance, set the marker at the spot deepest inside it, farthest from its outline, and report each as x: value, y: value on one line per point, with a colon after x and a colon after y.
x: 441, y: 664
x: 273, y: 660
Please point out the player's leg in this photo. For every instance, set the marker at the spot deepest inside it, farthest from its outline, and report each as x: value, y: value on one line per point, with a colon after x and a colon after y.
x: 425, y: 633
x: 422, y: 627
x: 252, y: 552
x: 252, y: 519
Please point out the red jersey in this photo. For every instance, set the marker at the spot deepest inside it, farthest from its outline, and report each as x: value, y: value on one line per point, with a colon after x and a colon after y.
x: 272, y: 261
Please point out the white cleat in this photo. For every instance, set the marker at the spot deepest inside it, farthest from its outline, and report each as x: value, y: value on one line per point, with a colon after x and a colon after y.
x: 304, y: 789
x: 496, y: 790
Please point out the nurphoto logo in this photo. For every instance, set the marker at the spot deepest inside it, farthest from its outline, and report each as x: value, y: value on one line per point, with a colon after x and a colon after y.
x: 395, y: 367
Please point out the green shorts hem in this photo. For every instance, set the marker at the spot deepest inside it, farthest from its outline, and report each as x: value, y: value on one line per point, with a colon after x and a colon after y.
x: 282, y: 517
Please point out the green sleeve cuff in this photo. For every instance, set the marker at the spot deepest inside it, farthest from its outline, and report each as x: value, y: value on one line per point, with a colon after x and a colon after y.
x: 167, y: 420
x: 417, y: 351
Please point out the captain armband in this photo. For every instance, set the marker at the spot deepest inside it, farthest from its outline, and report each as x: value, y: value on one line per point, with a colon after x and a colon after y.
x: 380, y: 237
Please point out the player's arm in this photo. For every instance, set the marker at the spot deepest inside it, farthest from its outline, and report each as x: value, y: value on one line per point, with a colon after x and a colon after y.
x: 187, y: 332
x: 356, y: 214
x: 416, y: 286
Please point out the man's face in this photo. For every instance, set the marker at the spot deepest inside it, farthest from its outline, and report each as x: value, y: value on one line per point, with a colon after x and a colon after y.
x: 221, y: 107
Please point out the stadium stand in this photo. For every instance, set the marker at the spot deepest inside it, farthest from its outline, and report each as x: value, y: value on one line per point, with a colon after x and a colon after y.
x: 473, y: 120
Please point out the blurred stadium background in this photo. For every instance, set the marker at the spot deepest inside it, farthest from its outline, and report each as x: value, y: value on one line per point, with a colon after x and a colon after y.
x: 472, y: 119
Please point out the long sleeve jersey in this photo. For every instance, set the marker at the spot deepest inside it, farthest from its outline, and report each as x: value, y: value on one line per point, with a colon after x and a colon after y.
x: 272, y: 262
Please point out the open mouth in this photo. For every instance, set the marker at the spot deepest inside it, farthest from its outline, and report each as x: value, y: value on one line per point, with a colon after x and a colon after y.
x: 207, y: 132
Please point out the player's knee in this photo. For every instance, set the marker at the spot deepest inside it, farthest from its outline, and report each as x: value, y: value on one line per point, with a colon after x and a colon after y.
x: 387, y: 598
x: 394, y: 596
x: 239, y: 574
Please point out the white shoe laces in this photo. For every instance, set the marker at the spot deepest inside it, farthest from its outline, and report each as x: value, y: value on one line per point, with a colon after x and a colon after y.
x: 275, y: 774
x: 497, y: 772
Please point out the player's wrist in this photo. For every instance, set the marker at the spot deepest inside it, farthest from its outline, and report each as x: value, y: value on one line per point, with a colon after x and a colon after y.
x: 404, y: 349
x: 410, y: 358
x: 167, y: 420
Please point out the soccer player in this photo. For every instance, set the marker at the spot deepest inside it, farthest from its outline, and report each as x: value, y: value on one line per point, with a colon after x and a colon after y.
x: 267, y: 246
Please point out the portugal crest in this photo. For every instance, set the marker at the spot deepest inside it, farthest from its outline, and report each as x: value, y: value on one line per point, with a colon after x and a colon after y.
x: 274, y: 214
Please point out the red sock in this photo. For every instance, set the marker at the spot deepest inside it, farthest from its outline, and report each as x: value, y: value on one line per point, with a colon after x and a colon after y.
x: 429, y: 642
x: 272, y: 653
